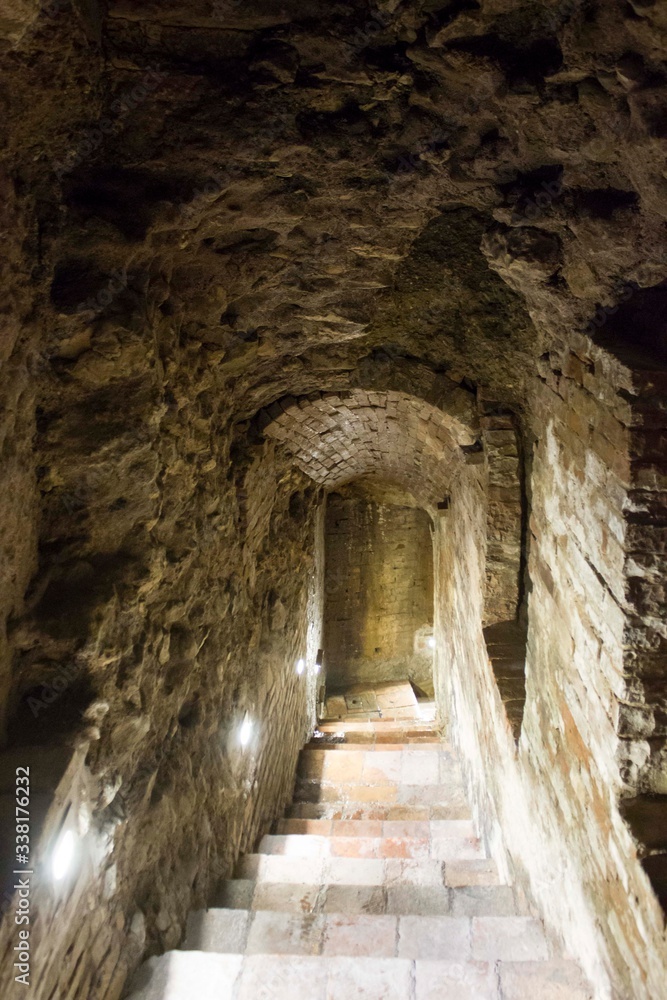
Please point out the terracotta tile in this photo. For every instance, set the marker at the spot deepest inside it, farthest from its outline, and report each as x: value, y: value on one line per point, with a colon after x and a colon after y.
x: 358, y: 812
x: 355, y: 847
x: 455, y: 981
x: 404, y: 847
x: 281, y: 977
x: 371, y: 793
x: 407, y: 828
x: 343, y: 766
x: 283, y: 934
x: 357, y: 828
x: 360, y: 935
x: 368, y: 979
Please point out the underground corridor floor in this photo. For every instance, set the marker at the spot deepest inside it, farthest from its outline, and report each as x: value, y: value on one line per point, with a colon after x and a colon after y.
x: 373, y: 887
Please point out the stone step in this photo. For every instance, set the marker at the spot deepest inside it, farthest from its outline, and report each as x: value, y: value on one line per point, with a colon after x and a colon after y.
x: 376, y: 732
x: 370, y: 738
x: 465, y: 894
x: 307, y: 790
x: 382, y: 725
x: 182, y: 975
x: 445, y: 840
x: 356, y: 827
x: 378, y: 811
x: 374, y: 935
x: 313, y: 846
x: 378, y: 767
x: 329, y: 743
x: 349, y: 871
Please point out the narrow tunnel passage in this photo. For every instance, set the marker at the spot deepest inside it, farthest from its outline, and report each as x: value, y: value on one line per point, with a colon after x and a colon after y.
x: 333, y: 415
x: 379, y: 882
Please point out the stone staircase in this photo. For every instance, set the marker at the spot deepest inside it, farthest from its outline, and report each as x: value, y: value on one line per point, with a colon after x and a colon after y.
x: 374, y: 887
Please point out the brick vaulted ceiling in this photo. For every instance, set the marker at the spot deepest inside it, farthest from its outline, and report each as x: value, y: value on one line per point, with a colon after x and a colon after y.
x: 338, y: 438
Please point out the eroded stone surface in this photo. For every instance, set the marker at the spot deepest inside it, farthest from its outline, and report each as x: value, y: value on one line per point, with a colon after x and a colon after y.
x: 209, y: 208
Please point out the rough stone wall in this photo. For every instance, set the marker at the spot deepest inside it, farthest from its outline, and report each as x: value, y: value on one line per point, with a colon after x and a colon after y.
x: 378, y: 591
x: 314, y: 196
x: 642, y: 722
x: 18, y: 495
x: 555, y: 797
x: 176, y: 592
x: 503, y: 514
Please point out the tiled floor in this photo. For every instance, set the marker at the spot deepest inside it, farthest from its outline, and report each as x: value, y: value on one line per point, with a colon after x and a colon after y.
x: 373, y: 887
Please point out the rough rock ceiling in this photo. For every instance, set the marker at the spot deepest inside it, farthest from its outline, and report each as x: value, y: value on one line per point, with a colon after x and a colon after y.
x: 289, y: 188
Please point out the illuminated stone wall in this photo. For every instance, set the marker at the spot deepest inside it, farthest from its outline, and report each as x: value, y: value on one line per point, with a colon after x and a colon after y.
x: 551, y: 807
x: 378, y: 591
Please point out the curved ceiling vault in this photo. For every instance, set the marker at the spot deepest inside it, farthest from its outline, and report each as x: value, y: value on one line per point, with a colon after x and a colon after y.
x: 339, y: 437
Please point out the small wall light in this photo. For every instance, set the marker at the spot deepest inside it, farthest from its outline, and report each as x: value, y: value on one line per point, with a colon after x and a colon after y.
x: 63, y: 855
x: 300, y: 666
x: 431, y: 642
x: 245, y: 732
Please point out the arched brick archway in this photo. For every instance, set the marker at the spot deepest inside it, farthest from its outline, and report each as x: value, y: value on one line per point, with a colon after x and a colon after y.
x: 338, y: 437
